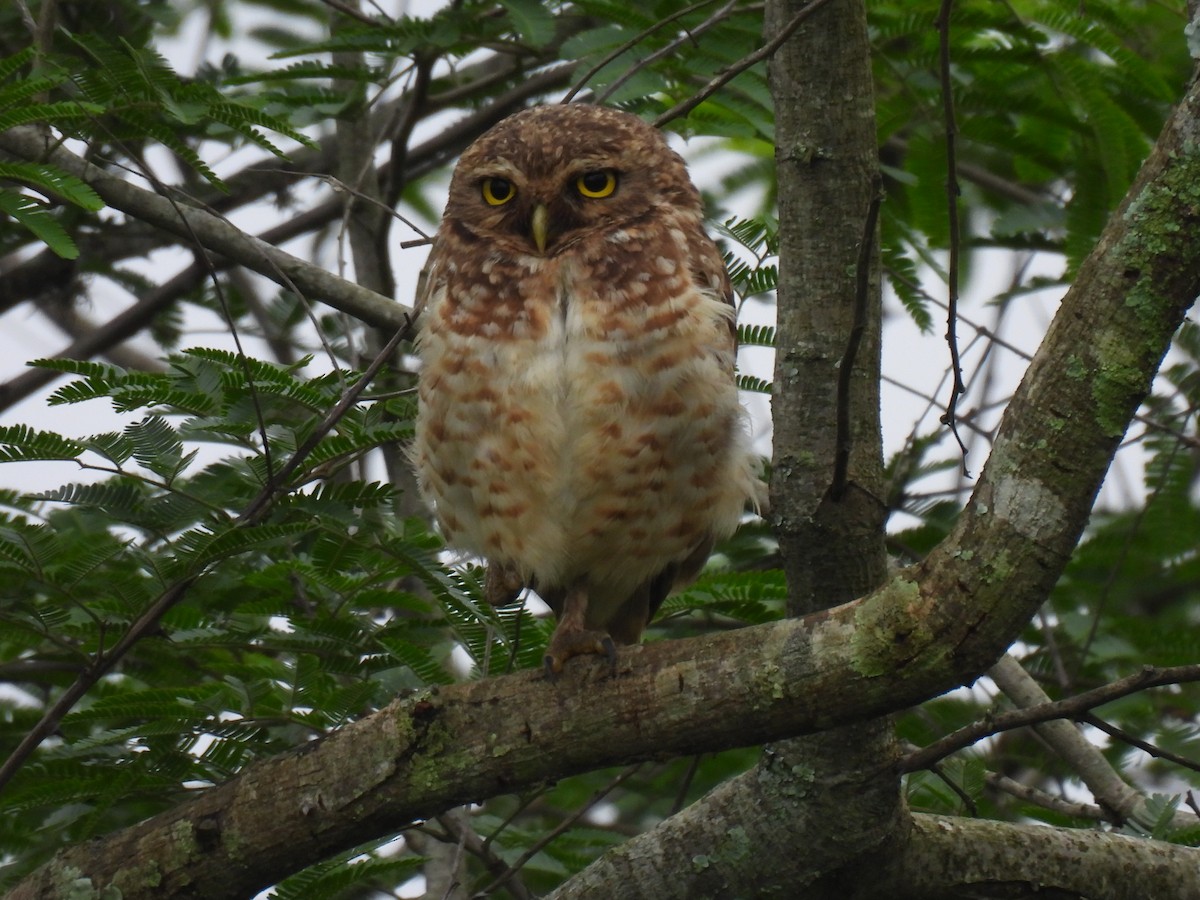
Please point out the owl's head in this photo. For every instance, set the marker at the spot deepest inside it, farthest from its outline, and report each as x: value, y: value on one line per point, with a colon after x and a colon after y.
x: 544, y: 178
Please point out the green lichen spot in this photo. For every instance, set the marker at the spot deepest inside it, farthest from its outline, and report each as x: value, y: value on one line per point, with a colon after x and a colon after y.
x: 878, y: 625
x: 737, y: 844
x: 1075, y: 367
x: 1115, y: 384
x: 71, y: 884
x: 999, y: 569
x: 234, y: 842
x: 773, y: 678
x: 183, y: 841
x: 700, y: 862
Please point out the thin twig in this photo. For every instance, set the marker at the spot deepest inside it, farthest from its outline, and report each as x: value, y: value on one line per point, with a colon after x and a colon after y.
x: 957, y: 789
x: 1069, y: 708
x: 627, y: 46
x: 727, y: 75
x: 1037, y: 797
x: 957, y: 389
x: 416, y: 97
x: 212, y: 232
x: 1145, y: 746
x: 688, y: 777
x: 358, y: 15
x: 562, y: 826
x: 689, y: 36
x: 117, y: 329
x: 1110, y: 790
x: 482, y: 850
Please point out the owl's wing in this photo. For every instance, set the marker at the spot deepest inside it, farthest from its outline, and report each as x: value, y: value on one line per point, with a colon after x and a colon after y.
x: 428, y: 279
x: 708, y: 269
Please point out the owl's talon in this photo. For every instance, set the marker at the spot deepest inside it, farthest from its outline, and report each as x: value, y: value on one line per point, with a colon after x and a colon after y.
x: 566, y: 643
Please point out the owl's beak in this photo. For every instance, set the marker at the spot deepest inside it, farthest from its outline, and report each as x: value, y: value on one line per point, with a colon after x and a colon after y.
x: 539, y: 226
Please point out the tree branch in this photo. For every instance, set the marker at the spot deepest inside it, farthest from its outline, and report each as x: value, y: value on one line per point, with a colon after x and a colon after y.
x: 1071, y: 707
x: 1038, y: 797
x: 214, y: 233
x: 947, y: 857
x: 1084, y: 757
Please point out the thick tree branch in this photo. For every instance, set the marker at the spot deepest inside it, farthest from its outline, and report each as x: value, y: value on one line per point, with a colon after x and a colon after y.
x: 947, y: 857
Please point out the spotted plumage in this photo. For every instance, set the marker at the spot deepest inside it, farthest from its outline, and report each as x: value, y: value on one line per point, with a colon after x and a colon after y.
x: 579, y: 425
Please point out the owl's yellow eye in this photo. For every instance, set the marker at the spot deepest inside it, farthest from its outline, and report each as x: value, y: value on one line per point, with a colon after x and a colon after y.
x: 596, y: 185
x: 498, y: 191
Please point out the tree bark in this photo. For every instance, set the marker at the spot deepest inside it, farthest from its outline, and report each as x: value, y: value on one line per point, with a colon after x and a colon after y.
x: 948, y: 858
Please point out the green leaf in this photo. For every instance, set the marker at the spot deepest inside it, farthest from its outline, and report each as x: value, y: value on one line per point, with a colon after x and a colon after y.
x: 157, y: 446
x: 37, y: 217
x: 68, y: 187
x: 756, y: 335
x: 533, y: 21
x: 20, y: 443
x: 751, y: 383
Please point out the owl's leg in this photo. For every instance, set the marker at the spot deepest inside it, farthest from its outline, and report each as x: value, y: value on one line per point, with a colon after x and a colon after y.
x: 571, y: 638
x: 502, y: 584
x: 630, y: 621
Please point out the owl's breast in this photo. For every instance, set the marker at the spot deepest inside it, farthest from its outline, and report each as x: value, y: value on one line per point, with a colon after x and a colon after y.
x: 584, y: 426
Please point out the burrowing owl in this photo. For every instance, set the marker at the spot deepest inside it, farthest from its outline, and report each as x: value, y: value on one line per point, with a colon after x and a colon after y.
x: 579, y: 425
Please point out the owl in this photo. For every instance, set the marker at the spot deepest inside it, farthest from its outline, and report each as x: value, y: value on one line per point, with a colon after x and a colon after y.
x: 578, y: 423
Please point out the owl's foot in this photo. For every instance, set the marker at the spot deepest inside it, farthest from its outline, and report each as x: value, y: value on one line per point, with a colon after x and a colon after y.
x: 568, y: 642
x: 573, y: 638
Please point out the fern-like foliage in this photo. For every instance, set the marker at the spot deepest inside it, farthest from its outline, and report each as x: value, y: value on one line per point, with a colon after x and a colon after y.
x: 96, y: 88
x: 1042, y: 94
x: 309, y: 595
x: 19, y: 106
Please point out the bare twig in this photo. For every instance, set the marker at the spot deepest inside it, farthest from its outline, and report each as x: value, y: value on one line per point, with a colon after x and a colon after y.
x: 727, y: 75
x: 1084, y: 758
x: 1145, y: 746
x: 62, y: 312
x: 562, y: 826
x: 624, y: 48
x: 1071, y: 707
x: 350, y: 11
x: 1037, y: 797
x: 114, y: 331
x: 212, y: 232
x: 957, y: 388
x: 482, y: 850
x: 687, y: 37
